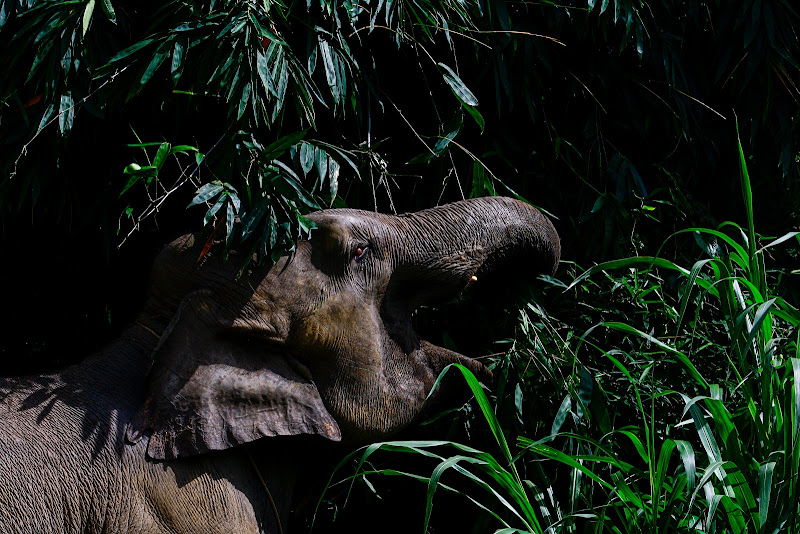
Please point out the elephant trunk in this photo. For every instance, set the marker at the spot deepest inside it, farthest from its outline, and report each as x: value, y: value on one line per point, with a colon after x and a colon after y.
x: 457, y: 244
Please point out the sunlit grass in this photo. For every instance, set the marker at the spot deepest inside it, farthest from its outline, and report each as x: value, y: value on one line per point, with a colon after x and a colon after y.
x: 679, y: 389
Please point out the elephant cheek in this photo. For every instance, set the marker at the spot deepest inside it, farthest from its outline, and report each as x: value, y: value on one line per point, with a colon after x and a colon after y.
x: 373, y: 395
x: 344, y: 348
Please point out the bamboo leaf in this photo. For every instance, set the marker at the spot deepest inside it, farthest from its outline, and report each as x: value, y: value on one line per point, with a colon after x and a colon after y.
x: 214, y: 209
x: 129, y: 51
x: 333, y: 177
x: 164, y: 150
x: 108, y: 10
x: 155, y: 62
x: 638, y: 445
x: 306, y: 157
x: 245, y: 96
x: 321, y: 163
x: 328, y: 56
x: 206, y: 192
x: 458, y: 87
x: 66, y: 113
x: 282, y: 144
x: 251, y: 220
x: 178, y: 54
x: 87, y: 16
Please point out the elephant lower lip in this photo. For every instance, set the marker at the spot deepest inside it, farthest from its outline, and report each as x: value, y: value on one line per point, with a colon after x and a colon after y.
x: 442, y: 357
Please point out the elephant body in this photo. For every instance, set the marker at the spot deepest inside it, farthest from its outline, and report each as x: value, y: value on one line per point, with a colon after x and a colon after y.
x: 86, y: 477
x: 189, y: 422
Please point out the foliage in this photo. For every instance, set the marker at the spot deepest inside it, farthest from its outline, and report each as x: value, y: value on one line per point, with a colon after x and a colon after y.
x: 295, y: 104
x: 703, y: 384
x: 653, y: 392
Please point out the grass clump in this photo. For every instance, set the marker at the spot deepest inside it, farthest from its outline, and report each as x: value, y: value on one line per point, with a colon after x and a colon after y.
x: 677, y: 409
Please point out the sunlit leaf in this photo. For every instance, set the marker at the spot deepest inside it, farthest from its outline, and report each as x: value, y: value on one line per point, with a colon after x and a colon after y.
x: 458, y: 86
x: 66, y: 112
x: 206, y: 192
x: 108, y: 10
x: 87, y: 15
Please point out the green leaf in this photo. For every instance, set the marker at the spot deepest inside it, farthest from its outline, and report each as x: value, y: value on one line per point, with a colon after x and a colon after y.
x: 129, y: 51
x: 555, y: 454
x: 444, y: 141
x: 342, y: 155
x: 206, y: 192
x: 778, y: 241
x: 333, y: 177
x: 46, y: 116
x: 475, y: 114
x: 243, y: 100
x: 638, y: 445
x: 183, y: 149
x: 306, y: 157
x: 281, y: 145
x: 622, y: 327
x: 289, y: 188
x: 635, y: 262
x: 663, y: 464
x: 87, y: 16
x: 159, y: 57
x: 251, y: 219
x: 215, y: 208
x: 458, y: 87
x: 137, y: 172
x: 765, y: 472
x: 747, y: 193
x: 161, y: 155
x: 5, y: 9
x: 306, y: 224
x: 230, y: 219
x: 108, y: 10
x: 321, y: 163
x: 178, y: 54
x: 561, y: 415
x: 689, y: 463
x: 707, y: 438
x: 327, y: 55
x: 66, y: 112
x: 263, y: 73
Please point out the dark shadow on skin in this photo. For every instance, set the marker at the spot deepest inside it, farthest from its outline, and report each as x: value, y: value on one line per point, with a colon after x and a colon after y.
x: 108, y: 385
x: 40, y: 395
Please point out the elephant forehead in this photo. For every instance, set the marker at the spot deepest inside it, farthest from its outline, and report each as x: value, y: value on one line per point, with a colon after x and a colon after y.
x: 348, y: 221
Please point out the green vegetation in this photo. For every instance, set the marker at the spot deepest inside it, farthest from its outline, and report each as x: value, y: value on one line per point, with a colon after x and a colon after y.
x: 683, y: 418
x: 652, y: 385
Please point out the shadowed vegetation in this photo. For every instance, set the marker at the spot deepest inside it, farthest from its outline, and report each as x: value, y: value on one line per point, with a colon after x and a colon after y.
x: 652, y: 384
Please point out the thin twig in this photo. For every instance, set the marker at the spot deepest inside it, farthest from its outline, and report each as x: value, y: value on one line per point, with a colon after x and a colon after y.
x: 24, y: 149
x: 529, y: 34
x: 155, y: 205
x: 699, y: 102
x: 589, y: 91
x: 429, y: 149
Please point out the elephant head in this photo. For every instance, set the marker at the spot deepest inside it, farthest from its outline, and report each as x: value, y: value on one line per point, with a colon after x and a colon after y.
x: 322, y: 342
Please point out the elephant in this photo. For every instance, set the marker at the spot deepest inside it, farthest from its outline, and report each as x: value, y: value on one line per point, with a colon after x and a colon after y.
x: 186, y: 422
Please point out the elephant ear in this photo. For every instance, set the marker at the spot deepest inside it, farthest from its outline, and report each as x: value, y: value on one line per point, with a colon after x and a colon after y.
x: 211, y: 388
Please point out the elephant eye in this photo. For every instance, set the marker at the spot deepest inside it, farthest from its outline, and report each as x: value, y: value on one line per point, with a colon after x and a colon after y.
x: 360, y: 252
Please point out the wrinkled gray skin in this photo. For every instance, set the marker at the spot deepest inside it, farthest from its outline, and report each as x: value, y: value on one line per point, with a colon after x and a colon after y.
x: 153, y: 433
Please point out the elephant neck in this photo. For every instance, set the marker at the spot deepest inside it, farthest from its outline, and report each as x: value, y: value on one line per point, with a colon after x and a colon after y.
x: 116, y: 373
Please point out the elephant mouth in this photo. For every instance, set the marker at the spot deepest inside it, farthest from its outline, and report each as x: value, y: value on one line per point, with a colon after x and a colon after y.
x: 466, y: 327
